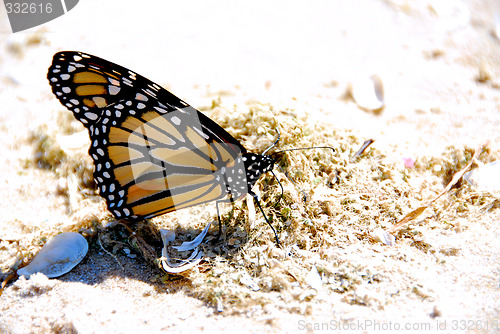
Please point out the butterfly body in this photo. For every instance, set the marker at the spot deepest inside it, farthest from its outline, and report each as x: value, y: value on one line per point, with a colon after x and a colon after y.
x: 153, y: 153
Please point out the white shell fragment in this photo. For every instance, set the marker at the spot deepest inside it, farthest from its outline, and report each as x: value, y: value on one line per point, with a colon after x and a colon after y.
x: 195, y: 257
x: 58, y: 256
x: 368, y: 93
x: 496, y: 29
x: 485, y: 178
x: 195, y: 243
x: 314, y: 279
x: 247, y: 280
x: 384, y: 237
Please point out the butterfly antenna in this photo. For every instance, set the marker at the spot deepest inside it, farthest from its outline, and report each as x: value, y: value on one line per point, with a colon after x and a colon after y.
x: 274, y: 144
x: 303, y: 148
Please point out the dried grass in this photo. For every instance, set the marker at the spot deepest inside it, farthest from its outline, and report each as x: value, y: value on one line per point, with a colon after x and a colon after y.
x: 346, y: 201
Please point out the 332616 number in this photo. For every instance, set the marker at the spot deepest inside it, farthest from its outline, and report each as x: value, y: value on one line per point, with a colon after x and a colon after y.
x: 28, y: 8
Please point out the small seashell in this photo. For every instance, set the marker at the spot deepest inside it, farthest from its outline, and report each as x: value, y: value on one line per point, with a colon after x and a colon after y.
x: 496, y: 29
x: 314, y: 279
x: 485, y: 178
x: 186, y: 264
x: 58, y: 256
x: 383, y: 236
x: 368, y: 93
x: 196, y: 241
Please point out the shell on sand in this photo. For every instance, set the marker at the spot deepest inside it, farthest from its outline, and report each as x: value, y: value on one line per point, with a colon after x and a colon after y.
x: 368, y: 93
x: 58, y: 256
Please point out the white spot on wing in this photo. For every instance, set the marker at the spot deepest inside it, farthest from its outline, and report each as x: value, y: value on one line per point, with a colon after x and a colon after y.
x: 201, y: 133
x: 91, y: 115
x: 114, y: 82
x: 149, y: 92
x: 113, y: 90
x: 100, y: 101
x: 176, y: 120
x: 163, y: 111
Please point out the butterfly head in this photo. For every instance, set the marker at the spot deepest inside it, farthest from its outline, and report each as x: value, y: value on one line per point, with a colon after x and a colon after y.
x: 255, y: 166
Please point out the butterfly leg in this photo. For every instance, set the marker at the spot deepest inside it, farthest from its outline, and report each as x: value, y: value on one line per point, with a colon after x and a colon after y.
x: 256, y: 198
x: 218, y: 219
x: 218, y: 214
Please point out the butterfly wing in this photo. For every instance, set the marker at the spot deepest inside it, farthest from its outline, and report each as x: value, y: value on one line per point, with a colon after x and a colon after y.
x: 86, y: 84
x: 153, y: 153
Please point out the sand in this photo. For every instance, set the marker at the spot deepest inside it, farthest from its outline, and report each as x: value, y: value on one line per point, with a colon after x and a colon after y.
x: 439, y: 64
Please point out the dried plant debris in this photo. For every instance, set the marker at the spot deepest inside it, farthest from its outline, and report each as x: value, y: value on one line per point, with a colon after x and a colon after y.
x: 362, y: 149
x: 329, y: 249
x: 417, y: 212
x: 74, y: 169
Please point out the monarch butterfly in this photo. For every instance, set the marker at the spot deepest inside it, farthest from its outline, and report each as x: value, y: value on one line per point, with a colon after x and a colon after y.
x: 153, y: 153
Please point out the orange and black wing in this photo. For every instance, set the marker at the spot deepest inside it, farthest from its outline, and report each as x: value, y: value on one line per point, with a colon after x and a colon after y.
x: 153, y: 153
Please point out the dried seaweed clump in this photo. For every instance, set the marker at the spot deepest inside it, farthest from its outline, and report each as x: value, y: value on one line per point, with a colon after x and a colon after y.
x: 327, y: 250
